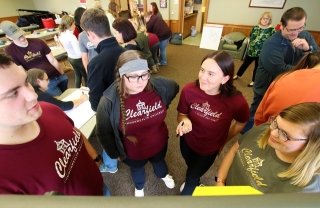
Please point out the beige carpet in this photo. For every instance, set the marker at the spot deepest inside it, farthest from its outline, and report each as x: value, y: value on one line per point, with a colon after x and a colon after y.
x: 183, y: 66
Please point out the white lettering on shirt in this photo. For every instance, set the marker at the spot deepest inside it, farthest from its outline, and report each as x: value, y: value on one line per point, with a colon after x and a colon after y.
x: 70, y: 150
x: 142, y: 109
x: 205, y: 111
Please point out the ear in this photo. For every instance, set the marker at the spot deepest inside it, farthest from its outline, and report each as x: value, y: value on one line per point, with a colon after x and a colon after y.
x: 225, y: 79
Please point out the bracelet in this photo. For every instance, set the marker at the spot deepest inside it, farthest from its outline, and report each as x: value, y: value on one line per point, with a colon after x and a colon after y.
x: 219, y: 180
x: 98, y: 158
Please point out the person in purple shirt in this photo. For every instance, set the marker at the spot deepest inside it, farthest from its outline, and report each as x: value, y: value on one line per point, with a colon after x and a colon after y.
x: 210, y: 112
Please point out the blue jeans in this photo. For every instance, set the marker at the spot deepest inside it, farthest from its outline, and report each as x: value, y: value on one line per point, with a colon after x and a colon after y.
x: 57, y: 85
x: 197, y: 165
x: 111, y: 164
x: 137, y: 168
x: 163, y: 51
x: 106, y: 191
x: 253, y: 108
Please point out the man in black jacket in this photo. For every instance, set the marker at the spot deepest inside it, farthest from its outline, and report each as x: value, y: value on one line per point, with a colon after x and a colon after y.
x: 101, y: 68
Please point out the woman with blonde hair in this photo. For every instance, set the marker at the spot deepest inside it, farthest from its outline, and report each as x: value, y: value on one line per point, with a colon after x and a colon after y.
x: 281, y: 156
x: 71, y: 45
x: 258, y: 35
x: 130, y: 119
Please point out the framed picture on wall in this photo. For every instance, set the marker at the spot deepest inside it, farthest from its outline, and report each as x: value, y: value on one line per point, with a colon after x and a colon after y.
x: 277, y: 4
x: 163, y: 3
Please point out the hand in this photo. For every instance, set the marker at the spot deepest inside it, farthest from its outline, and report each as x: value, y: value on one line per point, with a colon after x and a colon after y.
x: 184, y: 127
x: 301, y: 44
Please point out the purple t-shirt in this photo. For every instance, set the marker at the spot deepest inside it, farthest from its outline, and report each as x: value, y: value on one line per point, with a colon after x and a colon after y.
x: 33, y: 56
x: 145, y: 114
x: 56, y: 160
x: 211, y: 116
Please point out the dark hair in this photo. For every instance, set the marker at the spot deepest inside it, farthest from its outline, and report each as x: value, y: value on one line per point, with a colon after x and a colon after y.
x: 295, y: 14
x: 155, y: 9
x: 308, y: 61
x: 113, y: 9
x: 33, y: 75
x: 125, y: 27
x: 5, y: 61
x: 77, y: 17
x: 96, y: 21
x: 226, y: 64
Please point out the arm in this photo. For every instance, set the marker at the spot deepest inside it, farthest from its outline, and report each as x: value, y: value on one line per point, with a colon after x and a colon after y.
x: 226, y: 164
x: 91, y: 151
x: 53, y: 61
x: 85, y: 60
x: 104, y: 130
x: 235, y: 129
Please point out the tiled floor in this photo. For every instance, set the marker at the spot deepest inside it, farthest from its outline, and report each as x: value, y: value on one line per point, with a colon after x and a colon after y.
x: 193, y: 40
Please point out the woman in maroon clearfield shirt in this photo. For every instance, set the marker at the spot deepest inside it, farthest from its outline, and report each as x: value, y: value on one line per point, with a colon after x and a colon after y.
x: 210, y: 112
x: 130, y: 119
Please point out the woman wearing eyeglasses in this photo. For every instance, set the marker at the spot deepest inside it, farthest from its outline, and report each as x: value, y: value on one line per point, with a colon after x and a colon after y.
x: 40, y: 82
x: 130, y: 119
x: 282, y: 156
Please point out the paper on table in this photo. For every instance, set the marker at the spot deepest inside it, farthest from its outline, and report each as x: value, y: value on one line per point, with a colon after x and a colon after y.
x: 81, y: 114
x: 225, y: 190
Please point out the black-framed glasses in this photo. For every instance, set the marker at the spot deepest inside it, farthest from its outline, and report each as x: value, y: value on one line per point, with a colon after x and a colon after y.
x: 135, y: 78
x: 296, y: 30
x: 282, y: 135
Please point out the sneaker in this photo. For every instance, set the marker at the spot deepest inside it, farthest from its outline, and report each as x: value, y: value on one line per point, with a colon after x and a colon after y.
x: 138, y: 193
x: 235, y: 77
x: 182, y: 186
x: 104, y: 169
x: 251, y: 84
x: 168, y: 180
x: 154, y: 69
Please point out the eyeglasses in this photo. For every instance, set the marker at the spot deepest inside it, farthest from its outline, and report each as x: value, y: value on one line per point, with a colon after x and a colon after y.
x: 135, y: 78
x: 282, y: 135
x: 296, y: 30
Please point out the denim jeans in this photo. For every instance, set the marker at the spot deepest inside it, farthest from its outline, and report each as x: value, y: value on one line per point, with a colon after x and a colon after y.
x: 253, y: 108
x: 110, y: 163
x: 163, y: 51
x: 106, y: 191
x: 137, y: 168
x: 79, y: 72
x: 58, y: 85
x: 197, y: 165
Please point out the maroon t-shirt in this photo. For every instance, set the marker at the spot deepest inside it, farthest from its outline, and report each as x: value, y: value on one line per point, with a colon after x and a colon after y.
x: 56, y: 160
x: 33, y: 56
x: 211, y: 116
x: 145, y: 114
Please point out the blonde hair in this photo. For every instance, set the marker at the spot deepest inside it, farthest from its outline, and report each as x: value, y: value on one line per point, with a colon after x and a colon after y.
x: 139, y: 24
x: 267, y: 14
x: 66, y: 23
x: 307, y: 164
x: 125, y: 57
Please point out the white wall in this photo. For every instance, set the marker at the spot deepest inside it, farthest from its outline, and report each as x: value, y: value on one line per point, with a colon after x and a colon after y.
x: 238, y: 12
x: 9, y: 8
x: 56, y: 6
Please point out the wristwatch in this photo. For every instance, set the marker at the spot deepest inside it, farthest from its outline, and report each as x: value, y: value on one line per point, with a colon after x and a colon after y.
x: 98, y: 158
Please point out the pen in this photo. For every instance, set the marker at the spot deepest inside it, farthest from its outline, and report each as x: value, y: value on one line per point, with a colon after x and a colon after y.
x: 181, y: 126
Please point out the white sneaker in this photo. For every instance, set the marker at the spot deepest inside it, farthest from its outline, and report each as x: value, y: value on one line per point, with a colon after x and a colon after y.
x: 182, y: 186
x: 138, y: 193
x: 168, y: 180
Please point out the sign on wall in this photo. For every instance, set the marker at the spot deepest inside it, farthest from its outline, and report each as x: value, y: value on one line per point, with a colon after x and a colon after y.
x: 211, y: 35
